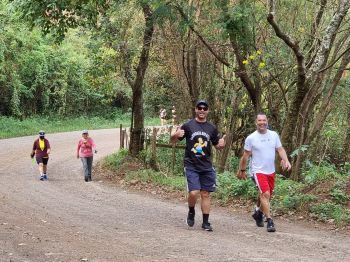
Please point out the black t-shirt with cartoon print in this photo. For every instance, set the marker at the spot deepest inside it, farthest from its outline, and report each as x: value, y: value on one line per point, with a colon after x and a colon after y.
x: 199, y: 137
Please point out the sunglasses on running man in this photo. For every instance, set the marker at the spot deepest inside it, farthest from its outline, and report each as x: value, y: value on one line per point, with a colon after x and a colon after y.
x: 204, y: 108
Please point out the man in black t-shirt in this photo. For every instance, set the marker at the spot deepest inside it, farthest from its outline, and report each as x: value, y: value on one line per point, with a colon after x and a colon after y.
x: 199, y: 171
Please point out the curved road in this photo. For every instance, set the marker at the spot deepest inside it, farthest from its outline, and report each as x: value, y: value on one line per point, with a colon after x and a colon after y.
x: 67, y: 219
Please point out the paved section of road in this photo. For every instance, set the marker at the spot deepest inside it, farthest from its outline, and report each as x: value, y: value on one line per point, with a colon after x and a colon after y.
x: 67, y: 219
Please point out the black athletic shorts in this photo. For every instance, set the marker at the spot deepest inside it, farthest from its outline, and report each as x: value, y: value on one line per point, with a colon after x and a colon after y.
x: 43, y: 160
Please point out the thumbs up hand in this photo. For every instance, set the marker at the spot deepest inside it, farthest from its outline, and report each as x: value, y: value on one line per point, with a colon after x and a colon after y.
x: 221, y: 143
x: 179, y: 132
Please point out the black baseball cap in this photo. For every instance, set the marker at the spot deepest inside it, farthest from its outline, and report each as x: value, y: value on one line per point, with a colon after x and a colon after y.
x: 202, y: 102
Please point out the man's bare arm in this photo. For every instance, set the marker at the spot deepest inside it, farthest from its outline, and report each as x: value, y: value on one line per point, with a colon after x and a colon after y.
x: 285, y: 162
x: 241, y: 173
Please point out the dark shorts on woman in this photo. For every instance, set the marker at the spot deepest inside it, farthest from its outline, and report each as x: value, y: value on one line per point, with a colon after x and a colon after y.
x: 43, y: 160
x: 200, y: 180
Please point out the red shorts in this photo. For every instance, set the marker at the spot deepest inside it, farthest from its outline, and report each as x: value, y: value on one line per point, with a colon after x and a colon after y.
x: 265, y: 182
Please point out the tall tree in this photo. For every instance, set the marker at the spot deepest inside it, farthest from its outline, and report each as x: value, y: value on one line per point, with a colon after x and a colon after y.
x: 311, y: 79
x: 58, y: 16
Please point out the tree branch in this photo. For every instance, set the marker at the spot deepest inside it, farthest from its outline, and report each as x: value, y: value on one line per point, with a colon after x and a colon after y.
x: 221, y: 59
x: 335, y: 61
x: 325, y: 107
x: 329, y: 36
x: 291, y: 43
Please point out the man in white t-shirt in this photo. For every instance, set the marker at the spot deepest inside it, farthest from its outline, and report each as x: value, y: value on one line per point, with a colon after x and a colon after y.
x: 261, y: 146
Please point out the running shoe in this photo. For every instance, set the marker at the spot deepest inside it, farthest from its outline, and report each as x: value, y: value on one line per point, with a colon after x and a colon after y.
x: 190, y: 219
x: 259, y: 218
x: 45, y: 177
x: 270, y: 225
x: 42, y: 178
x: 207, y: 227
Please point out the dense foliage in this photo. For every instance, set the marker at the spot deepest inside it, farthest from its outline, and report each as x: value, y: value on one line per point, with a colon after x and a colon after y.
x: 39, y: 76
x: 287, y: 58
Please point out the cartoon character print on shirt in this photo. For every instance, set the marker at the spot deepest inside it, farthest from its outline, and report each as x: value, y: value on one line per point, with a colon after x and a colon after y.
x: 201, y: 143
x: 198, y: 147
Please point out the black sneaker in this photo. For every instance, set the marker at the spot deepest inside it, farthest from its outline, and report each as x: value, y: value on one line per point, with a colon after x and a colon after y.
x: 89, y: 178
x: 86, y: 179
x: 259, y: 218
x: 190, y: 219
x: 270, y: 225
x: 207, y: 227
x: 42, y: 178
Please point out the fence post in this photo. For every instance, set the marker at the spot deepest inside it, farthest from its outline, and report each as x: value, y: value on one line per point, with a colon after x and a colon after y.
x: 172, y: 149
x: 153, y: 160
x: 173, y: 157
x: 121, y: 144
x: 125, y: 139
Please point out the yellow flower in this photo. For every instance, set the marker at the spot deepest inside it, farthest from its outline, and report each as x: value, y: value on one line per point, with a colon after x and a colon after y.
x: 262, y: 65
x: 251, y: 57
x: 258, y: 52
x: 301, y: 29
x: 245, y: 62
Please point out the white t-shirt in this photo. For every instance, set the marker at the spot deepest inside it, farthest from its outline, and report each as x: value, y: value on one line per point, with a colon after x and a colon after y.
x: 263, y: 148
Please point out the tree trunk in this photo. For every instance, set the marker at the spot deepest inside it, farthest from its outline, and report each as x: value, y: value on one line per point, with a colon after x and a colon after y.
x: 137, y: 122
x: 347, y: 139
x: 309, y: 84
x: 229, y: 137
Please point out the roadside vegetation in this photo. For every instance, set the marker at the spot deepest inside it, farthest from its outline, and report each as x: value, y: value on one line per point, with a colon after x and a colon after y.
x: 12, y: 127
x: 323, y: 194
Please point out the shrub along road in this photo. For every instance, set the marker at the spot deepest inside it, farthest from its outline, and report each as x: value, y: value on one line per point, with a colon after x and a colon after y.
x: 67, y: 219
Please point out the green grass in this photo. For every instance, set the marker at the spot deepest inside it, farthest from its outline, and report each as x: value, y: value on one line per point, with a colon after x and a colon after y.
x: 323, y: 194
x: 11, y: 127
x: 322, y: 197
x: 114, y: 160
x: 327, y: 211
x: 230, y: 187
x: 157, y: 178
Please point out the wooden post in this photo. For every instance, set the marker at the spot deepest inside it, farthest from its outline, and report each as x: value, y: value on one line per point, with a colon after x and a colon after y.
x: 146, y: 146
x: 126, y: 138
x: 121, y: 136
x: 153, y: 160
x: 122, y: 144
x: 170, y: 130
x: 173, y: 158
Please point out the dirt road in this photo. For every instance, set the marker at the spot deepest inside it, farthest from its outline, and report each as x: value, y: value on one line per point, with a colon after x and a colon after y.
x: 67, y: 219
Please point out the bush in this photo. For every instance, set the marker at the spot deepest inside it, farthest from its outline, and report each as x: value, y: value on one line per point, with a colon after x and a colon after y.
x: 328, y: 211
x: 230, y: 187
x: 157, y: 178
x: 286, y: 203
x: 339, y: 196
x: 320, y: 173
x: 114, y: 161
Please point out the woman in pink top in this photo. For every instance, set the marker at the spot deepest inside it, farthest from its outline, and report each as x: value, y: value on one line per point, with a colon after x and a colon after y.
x: 85, y: 151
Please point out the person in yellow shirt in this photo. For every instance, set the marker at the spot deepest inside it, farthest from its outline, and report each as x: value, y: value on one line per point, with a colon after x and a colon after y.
x: 41, y: 150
